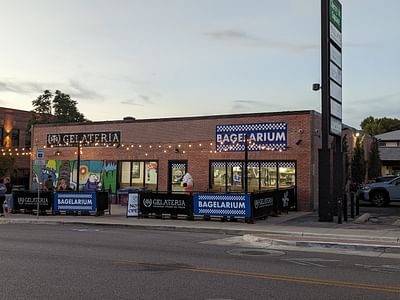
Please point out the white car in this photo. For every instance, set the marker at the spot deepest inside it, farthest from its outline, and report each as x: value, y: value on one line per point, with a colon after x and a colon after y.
x: 381, y: 193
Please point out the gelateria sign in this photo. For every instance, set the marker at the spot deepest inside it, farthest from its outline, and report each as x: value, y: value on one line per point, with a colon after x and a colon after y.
x: 86, y: 138
x: 259, y: 136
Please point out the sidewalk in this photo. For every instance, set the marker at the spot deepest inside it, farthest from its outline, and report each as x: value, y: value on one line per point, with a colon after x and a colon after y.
x: 297, y: 229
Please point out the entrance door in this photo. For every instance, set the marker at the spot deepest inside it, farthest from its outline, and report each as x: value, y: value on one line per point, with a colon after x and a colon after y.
x: 176, y: 171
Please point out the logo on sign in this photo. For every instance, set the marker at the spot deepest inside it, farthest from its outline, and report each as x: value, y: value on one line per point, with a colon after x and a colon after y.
x: 285, y: 199
x: 147, y: 202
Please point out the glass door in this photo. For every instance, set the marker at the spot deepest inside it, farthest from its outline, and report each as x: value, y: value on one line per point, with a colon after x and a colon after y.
x: 176, y: 171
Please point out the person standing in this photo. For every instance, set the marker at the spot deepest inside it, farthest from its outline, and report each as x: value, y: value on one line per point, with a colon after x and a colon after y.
x: 48, y: 184
x: 3, y: 190
x: 187, y: 183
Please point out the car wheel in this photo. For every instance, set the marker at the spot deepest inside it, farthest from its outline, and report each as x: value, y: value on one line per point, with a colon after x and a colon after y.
x: 379, y: 199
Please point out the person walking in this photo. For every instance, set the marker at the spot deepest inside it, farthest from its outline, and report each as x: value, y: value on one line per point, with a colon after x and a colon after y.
x: 3, y: 190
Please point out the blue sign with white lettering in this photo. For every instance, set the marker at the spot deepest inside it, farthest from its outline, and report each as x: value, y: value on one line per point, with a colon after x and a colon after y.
x: 229, y: 205
x: 260, y: 136
x: 69, y: 201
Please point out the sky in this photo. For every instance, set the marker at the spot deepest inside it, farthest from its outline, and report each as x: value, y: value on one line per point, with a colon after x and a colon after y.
x: 178, y: 58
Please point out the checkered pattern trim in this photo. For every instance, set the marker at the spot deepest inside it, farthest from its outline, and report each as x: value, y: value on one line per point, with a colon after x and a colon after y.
x: 218, y: 164
x: 286, y: 164
x: 252, y: 164
x: 251, y: 147
x: 232, y: 164
x: 207, y: 211
x: 250, y: 127
x: 268, y: 164
x: 222, y: 197
x: 178, y: 165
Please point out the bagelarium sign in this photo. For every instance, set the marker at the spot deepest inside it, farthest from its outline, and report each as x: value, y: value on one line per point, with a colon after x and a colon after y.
x: 90, y: 138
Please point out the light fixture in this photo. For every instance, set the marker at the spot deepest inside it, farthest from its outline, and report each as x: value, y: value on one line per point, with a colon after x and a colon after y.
x: 316, y: 87
x: 299, y: 141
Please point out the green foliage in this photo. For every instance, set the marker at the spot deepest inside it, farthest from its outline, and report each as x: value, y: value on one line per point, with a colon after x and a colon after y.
x: 358, y: 163
x: 57, y: 108
x: 376, y: 126
x: 375, y: 165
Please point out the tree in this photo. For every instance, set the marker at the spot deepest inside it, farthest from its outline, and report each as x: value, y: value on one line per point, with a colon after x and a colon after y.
x: 358, y: 163
x: 58, y: 108
x: 374, y: 166
x: 65, y: 109
x: 376, y: 126
x: 346, y: 158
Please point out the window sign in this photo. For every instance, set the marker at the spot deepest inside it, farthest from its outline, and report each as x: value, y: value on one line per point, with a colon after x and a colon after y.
x: 260, y: 136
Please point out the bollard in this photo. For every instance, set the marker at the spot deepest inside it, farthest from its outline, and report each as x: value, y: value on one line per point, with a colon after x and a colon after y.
x: 352, y: 205
x: 345, y: 207
x: 339, y: 204
x: 357, y: 205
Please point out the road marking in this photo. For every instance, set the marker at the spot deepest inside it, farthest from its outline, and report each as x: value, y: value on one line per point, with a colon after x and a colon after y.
x: 309, y: 261
x: 304, y: 280
x: 381, y: 268
x: 86, y: 229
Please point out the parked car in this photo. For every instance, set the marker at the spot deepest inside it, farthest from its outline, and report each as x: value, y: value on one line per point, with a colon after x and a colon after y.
x: 384, y: 178
x: 381, y: 193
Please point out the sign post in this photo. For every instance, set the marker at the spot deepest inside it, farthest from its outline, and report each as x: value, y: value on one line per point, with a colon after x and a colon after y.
x: 331, y: 103
x: 40, y: 161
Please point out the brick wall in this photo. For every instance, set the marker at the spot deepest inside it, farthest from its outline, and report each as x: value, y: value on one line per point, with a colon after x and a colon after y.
x: 165, y: 135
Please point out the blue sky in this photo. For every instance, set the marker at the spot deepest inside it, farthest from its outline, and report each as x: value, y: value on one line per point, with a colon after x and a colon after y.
x: 165, y: 58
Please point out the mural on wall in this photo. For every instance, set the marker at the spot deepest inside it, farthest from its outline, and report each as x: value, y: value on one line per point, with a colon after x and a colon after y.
x: 93, y: 174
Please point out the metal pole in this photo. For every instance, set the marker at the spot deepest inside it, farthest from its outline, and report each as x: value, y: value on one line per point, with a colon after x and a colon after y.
x: 246, y: 157
x: 38, y: 198
x: 78, y: 167
x: 352, y: 205
x: 324, y: 201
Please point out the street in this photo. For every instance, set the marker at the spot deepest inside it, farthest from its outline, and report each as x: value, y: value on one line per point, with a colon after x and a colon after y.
x: 105, y: 262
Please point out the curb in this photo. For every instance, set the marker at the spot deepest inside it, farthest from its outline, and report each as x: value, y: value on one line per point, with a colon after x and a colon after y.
x: 362, y: 219
x: 351, y: 246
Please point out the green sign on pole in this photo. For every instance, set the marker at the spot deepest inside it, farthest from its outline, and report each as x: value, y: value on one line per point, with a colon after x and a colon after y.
x: 335, y: 14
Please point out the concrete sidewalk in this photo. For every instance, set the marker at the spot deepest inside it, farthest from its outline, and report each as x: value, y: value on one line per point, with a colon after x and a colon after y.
x: 281, y: 230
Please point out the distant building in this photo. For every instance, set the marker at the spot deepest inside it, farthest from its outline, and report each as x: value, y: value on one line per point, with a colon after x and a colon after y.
x: 389, y: 151
x: 15, y: 141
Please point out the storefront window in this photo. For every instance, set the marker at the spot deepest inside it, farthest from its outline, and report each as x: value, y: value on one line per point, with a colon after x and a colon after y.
x: 287, y: 174
x: 268, y: 175
x: 218, y: 176
x: 138, y: 174
x: 253, y: 177
x: 261, y: 175
x: 235, y: 176
x: 151, y: 170
x: 178, y: 170
x: 125, y: 174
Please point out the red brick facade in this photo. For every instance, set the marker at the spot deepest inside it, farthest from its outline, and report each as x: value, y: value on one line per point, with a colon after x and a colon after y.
x: 157, y: 139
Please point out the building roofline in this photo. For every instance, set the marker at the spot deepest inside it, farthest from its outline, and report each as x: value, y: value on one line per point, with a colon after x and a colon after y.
x: 168, y: 119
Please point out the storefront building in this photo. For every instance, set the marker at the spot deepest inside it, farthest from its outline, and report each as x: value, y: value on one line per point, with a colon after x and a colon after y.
x: 280, y: 150
x: 15, y: 145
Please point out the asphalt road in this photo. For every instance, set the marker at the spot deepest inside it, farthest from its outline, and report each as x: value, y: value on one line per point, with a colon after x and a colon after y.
x: 77, y: 262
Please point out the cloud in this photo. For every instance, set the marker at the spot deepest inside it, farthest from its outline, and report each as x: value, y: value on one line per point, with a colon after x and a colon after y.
x: 253, y: 105
x: 140, y: 100
x: 76, y: 90
x: 20, y: 87
x: 245, y: 39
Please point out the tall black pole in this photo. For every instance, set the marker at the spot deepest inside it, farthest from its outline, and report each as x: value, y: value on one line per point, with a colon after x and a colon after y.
x: 324, y: 201
x: 246, y: 158
x: 78, y: 167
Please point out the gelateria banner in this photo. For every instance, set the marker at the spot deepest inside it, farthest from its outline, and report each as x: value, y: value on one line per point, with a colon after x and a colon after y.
x: 260, y: 136
x: 91, y: 138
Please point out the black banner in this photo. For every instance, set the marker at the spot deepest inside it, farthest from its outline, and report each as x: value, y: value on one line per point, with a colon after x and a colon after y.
x: 166, y: 203
x: 102, y: 201
x: 263, y: 204
x: 286, y: 199
x: 28, y: 200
